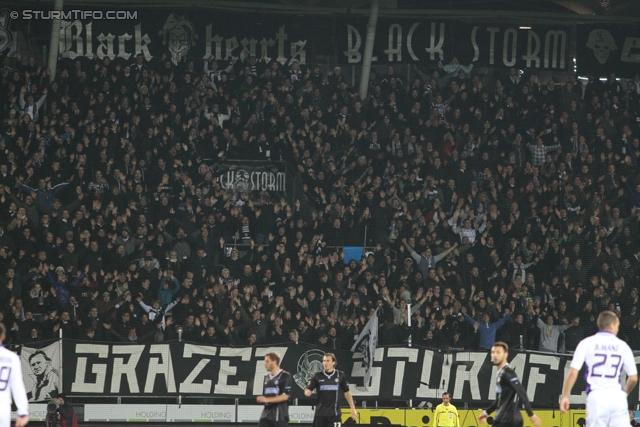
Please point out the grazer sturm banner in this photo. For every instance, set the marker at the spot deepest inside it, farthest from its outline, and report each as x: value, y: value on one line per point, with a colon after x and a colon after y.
x: 398, y: 372
x: 431, y: 41
x: 602, y: 50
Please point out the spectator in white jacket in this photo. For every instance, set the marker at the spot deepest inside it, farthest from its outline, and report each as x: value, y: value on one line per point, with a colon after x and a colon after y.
x: 454, y: 67
x: 31, y: 107
x: 427, y: 260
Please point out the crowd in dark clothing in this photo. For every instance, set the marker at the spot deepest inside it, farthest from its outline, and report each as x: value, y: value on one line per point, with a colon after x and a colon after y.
x: 494, y: 205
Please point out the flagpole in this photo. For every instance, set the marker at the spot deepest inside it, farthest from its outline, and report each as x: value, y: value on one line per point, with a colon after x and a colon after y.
x: 409, y: 323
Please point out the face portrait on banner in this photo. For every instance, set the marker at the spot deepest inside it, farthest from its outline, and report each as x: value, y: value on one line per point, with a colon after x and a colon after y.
x: 602, y: 43
x: 41, y: 377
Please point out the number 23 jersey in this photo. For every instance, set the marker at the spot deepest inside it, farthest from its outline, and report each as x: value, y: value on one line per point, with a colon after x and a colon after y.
x: 604, y: 356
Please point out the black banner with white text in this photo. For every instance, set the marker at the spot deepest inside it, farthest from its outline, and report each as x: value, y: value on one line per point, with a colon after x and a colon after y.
x: 484, y: 45
x: 200, y: 33
x: 398, y: 373
x: 256, y: 177
x: 188, y: 33
x: 196, y: 34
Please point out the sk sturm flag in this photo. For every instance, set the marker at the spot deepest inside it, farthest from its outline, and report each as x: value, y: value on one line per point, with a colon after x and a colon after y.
x: 366, y: 344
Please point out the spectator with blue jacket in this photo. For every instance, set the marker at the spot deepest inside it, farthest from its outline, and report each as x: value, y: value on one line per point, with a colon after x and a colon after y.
x: 168, y: 288
x: 62, y: 285
x: 486, y: 330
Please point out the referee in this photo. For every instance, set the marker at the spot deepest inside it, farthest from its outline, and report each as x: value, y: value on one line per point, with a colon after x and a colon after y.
x: 510, y: 394
x: 329, y: 382
x: 446, y: 415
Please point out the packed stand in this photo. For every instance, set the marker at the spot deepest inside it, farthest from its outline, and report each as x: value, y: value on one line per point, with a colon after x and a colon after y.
x: 493, y: 205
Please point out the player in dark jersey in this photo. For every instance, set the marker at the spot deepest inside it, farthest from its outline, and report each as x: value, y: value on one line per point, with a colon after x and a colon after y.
x: 510, y: 393
x: 277, y: 388
x: 329, y: 382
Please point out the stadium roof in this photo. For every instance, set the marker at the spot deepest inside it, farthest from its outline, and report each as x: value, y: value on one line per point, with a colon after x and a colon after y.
x: 621, y: 8
x: 505, y: 11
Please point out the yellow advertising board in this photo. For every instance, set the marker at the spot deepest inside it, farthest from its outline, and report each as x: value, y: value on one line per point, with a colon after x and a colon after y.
x: 468, y: 418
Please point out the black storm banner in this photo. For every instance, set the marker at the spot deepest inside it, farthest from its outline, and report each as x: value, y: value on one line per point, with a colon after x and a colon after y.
x: 398, y: 373
x: 602, y: 50
x: 485, y: 45
x: 198, y: 33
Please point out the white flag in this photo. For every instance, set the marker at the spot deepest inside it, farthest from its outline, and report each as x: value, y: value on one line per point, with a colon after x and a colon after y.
x: 366, y: 344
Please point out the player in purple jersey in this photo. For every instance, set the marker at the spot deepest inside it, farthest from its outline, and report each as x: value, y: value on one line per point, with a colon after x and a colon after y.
x: 604, y: 356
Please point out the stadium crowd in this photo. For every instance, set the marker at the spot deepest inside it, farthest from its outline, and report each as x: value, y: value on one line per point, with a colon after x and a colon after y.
x: 493, y: 205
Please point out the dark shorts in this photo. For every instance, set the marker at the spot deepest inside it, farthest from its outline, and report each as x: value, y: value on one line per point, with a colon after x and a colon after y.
x: 270, y: 423
x: 327, y: 421
x: 511, y: 424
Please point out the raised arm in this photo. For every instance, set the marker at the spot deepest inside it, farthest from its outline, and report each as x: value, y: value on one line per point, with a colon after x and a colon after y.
x: 503, y: 320
x: 170, y: 306
x: 422, y: 75
x: 413, y: 253
x: 469, y: 319
x: 144, y: 306
x: 440, y: 256
x: 415, y: 307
